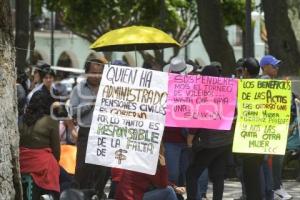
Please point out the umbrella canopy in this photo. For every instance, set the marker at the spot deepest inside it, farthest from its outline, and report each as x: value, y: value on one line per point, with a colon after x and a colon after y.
x: 134, y: 38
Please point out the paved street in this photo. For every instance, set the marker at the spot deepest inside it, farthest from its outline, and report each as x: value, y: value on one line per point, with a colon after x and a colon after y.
x: 233, y: 189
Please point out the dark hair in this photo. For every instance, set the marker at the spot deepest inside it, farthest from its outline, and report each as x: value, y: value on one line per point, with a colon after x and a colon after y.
x: 43, y: 66
x: 252, y: 66
x: 239, y: 63
x: 195, y: 66
x: 39, y: 105
x: 211, y: 70
x: 88, y: 63
x: 22, y: 79
x: 47, y: 71
x: 218, y: 65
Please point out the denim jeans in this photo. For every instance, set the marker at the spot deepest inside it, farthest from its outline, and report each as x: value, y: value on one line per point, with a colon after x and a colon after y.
x: 177, y: 160
x: 167, y: 193
x: 252, y: 176
x: 215, y: 160
x: 277, y: 162
x: 267, y: 181
x: 88, y: 176
x: 202, y: 184
x: 239, y: 172
x: 65, y: 179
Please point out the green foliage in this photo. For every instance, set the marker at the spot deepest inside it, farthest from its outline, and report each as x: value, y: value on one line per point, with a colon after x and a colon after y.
x: 90, y: 19
x: 234, y: 12
x: 95, y: 17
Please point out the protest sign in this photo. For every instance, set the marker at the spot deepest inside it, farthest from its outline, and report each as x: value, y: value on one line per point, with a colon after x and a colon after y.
x: 263, y: 116
x: 201, y: 101
x: 128, y: 119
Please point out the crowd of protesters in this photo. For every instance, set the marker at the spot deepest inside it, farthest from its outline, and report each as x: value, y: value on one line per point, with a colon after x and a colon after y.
x: 49, y: 116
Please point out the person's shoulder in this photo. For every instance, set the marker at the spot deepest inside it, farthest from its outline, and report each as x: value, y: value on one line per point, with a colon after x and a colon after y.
x: 79, y: 86
x: 22, y: 126
x: 47, y: 120
x: 82, y: 83
x: 264, y: 77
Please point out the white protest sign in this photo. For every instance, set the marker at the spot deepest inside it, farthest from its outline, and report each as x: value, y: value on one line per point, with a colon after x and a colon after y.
x: 128, y: 120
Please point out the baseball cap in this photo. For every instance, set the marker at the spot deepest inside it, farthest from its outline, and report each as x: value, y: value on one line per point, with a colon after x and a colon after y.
x: 269, y: 60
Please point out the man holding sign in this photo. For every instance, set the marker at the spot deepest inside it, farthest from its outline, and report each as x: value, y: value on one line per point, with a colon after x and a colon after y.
x: 251, y: 163
x: 263, y: 113
x: 82, y: 100
x: 270, y: 66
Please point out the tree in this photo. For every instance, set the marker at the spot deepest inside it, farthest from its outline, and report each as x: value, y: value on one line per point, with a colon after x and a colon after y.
x: 235, y: 14
x: 281, y: 38
x: 182, y: 24
x: 22, y: 32
x: 10, y: 186
x: 91, y: 19
x: 294, y: 13
x: 213, y: 34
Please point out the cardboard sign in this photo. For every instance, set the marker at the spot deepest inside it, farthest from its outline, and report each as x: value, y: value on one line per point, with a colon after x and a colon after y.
x: 128, y: 120
x: 263, y: 116
x: 201, y: 101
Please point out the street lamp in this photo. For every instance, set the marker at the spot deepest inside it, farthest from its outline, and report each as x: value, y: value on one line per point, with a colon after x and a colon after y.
x: 52, y: 18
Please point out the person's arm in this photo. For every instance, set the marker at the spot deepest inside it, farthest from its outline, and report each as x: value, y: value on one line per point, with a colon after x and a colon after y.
x: 77, y: 105
x: 160, y: 179
x: 54, y: 139
x: 190, y: 139
x: 178, y: 190
x: 292, y: 127
x: 72, y: 130
x: 62, y: 132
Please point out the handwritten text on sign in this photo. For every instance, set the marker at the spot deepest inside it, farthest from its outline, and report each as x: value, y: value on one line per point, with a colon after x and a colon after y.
x: 263, y: 116
x: 201, y: 101
x: 128, y: 120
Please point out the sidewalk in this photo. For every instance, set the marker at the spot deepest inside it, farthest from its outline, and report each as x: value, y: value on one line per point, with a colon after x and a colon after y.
x: 232, y: 189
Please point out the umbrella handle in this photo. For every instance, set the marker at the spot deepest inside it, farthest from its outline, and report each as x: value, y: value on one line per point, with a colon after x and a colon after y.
x: 135, y: 55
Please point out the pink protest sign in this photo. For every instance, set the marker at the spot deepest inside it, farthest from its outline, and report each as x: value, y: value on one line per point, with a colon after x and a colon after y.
x: 196, y: 101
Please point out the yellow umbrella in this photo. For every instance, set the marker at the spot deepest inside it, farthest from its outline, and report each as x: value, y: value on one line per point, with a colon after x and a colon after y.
x: 134, y: 38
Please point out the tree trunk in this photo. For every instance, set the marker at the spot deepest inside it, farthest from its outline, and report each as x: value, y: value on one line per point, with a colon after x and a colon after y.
x: 213, y: 34
x: 294, y: 15
x: 31, y: 33
x: 281, y: 38
x: 22, y: 33
x: 10, y: 185
x: 249, y: 40
x: 244, y: 43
